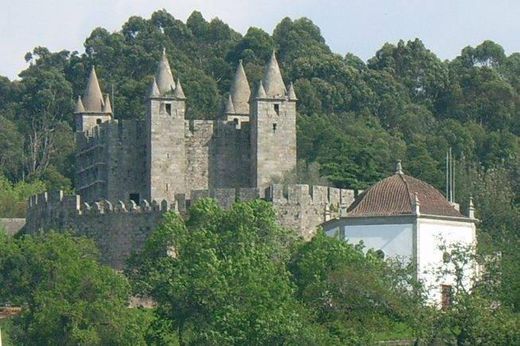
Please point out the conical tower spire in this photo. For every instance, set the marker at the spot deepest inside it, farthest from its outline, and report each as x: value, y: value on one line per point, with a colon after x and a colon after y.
x: 93, y: 99
x: 240, y: 91
x: 273, y: 82
x: 291, y: 94
x: 107, y: 108
x: 260, y: 92
x: 230, y: 109
x: 163, y: 76
x: 179, y: 93
x: 79, y: 106
x: 154, y: 89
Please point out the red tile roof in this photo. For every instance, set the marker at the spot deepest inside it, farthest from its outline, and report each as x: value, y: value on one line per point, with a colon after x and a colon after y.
x: 395, y: 195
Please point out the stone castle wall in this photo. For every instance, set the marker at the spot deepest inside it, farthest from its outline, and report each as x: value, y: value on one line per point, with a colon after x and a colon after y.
x: 110, y: 159
x: 199, y: 139
x: 120, y: 228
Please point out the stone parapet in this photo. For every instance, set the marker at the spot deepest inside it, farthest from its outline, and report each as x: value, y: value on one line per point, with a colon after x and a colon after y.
x: 121, y: 227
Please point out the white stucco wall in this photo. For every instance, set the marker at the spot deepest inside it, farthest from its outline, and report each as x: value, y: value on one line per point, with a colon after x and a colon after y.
x: 431, y: 235
x: 395, y: 240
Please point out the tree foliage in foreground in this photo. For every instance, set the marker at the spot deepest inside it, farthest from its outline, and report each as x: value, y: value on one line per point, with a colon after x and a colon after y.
x: 67, y: 297
x: 236, y: 277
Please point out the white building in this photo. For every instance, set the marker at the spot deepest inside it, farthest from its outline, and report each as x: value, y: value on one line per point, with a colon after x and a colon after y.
x: 408, y: 219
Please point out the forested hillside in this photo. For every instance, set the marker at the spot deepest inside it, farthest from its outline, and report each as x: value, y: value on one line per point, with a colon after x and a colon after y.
x: 355, y: 118
x: 239, y: 270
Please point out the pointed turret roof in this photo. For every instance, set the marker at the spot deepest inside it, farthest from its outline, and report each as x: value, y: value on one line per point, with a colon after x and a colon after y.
x: 179, y: 93
x: 240, y: 91
x: 273, y: 82
x: 291, y: 94
x: 163, y: 76
x: 154, y: 89
x: 230, y: 109
x: 79, y: 106
x: 107, y: 108
x: 93, y: 99
x: 260, y: 92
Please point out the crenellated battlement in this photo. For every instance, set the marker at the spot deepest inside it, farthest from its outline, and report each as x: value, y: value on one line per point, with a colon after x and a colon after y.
x: 120, y: 227
x: 168, y: 162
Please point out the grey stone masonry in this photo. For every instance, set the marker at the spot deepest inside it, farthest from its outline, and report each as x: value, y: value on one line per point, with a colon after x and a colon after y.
x: 129, y: 172
x: 121, y: 227
x: 166, y: 154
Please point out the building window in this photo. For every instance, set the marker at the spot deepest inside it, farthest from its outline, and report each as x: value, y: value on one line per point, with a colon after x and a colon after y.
x: 274, y: 127
x: 446, y: 296
x: 277, y: 108
x: 98, y: 121
x: 169, y: 108
x: 167, y: 187
x: 135, y: 197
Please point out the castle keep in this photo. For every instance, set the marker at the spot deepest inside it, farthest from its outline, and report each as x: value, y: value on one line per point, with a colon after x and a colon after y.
x: 251, y: 144
x: 129, y: 172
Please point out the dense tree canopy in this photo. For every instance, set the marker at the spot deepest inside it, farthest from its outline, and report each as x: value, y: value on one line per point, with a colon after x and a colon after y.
x: 355, y: 118
x: 236, y: 277
x: 67, y: 297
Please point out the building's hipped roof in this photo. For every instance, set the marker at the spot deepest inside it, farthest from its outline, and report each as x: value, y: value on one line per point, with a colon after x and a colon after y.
x: 273, y: 82
x: 240, y: 91
x: 229, y: 109
x: 164, y: 77
x: 396, y: 195
x: 93, y: 99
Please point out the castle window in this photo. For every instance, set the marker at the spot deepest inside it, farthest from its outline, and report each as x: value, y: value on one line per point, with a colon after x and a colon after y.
x: 135, y: 197
x: 167, y: 187
x: 169, y: 108
x: 98, y: 121
x: 274, y: 127
x: 277, y: 108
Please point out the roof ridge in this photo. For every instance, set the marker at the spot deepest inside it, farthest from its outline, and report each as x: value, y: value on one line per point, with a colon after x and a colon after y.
x: 402, y: 176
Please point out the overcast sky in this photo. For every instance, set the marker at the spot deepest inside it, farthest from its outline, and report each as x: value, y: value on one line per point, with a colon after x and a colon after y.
x: 357, y: 26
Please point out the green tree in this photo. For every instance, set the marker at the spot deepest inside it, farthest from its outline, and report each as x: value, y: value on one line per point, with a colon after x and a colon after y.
x: 220, y: 278
x: 67, y: 297
x: 358, y: 298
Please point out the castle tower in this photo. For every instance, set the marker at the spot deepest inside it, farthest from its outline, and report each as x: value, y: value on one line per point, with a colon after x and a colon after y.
x: 273, y: 128
x: 166, y: 153
x: 237, y: 105
x: 91, y: 109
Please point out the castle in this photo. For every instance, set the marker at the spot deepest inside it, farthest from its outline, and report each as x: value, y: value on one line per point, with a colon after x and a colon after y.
x: 129, y: 172
x: 250, y: 145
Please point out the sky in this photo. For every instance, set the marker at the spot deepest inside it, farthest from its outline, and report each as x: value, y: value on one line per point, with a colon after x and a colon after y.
x: 360, y: 27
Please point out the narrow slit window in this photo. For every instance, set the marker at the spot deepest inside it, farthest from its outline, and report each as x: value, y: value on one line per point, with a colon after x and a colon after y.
x: 274, y: 127
x: 169, y: 108
x: 277, y: 109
